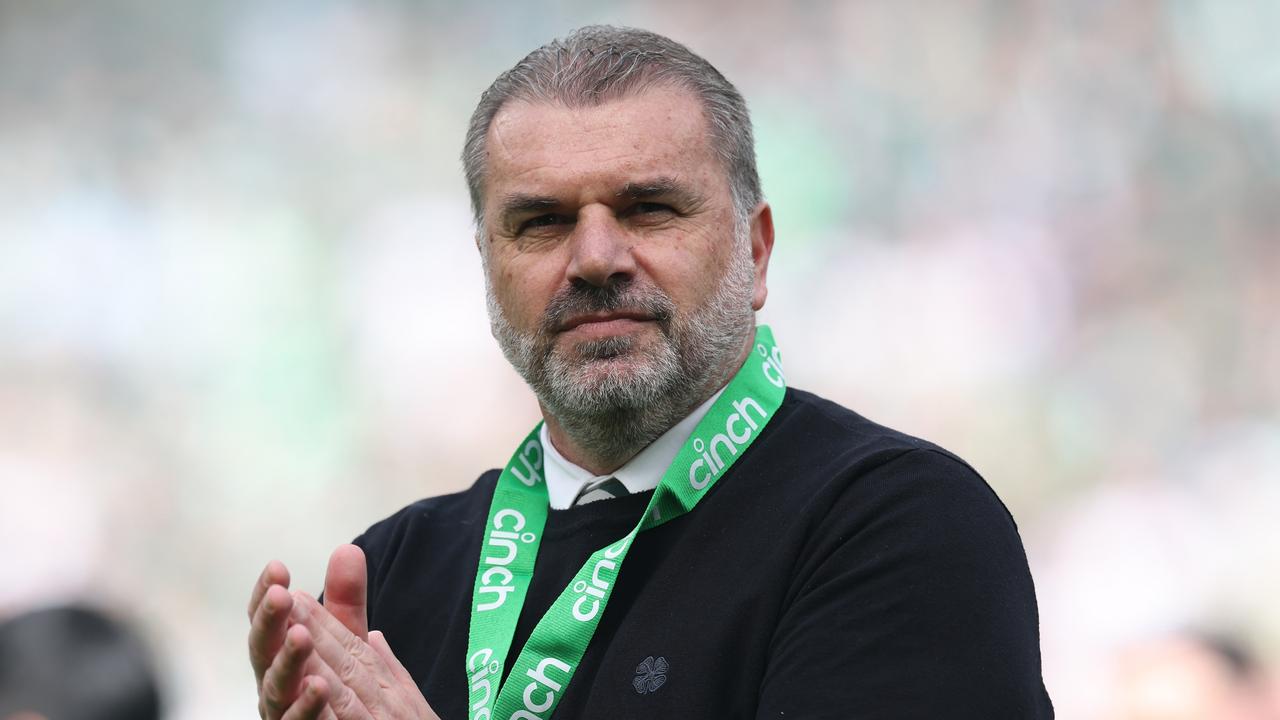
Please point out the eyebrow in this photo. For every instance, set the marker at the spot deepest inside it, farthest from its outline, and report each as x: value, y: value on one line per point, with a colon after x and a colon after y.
x: 658, y: 187
x: 519, y: 203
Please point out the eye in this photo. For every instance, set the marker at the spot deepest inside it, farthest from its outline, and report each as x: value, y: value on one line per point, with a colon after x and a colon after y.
x: 542, y: 221
x: 649, y: 209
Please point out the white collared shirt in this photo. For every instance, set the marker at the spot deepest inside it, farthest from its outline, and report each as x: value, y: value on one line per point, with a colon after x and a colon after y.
x: 642, y: 472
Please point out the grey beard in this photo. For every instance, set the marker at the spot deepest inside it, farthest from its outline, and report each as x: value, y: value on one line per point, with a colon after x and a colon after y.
x: 613, y: 413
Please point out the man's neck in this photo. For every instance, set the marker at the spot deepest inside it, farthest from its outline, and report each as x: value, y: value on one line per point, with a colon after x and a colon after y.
x: 577, y: 449
x: 577, y: 453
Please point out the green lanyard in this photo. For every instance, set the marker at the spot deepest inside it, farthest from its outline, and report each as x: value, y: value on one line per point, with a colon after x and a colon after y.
x: 512, y: 535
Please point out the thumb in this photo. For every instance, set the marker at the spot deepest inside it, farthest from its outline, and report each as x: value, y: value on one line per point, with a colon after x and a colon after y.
x: 345, y: 589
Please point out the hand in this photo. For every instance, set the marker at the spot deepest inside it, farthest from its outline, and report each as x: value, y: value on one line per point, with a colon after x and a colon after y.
x: 365, y: 680
x: 289, y: 686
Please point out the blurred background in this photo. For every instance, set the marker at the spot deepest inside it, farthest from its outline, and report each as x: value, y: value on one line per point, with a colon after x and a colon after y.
x: 242, y: 316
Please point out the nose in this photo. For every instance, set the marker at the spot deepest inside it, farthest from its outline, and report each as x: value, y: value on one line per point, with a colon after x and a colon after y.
x: 600, y: 248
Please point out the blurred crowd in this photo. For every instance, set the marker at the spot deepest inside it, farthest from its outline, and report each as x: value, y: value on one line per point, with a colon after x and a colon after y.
x: 242, y: 317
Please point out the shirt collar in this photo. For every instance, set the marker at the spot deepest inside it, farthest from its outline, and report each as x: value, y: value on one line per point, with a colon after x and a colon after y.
x: 640, y: 473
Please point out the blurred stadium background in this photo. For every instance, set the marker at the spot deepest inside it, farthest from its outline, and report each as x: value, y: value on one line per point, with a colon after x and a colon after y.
x: 241, y: 314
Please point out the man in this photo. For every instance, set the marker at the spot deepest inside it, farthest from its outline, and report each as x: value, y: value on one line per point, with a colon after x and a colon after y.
x: 783, y: 556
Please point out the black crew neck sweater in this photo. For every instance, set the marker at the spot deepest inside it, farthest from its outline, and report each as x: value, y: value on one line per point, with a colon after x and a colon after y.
x: 839, y: 569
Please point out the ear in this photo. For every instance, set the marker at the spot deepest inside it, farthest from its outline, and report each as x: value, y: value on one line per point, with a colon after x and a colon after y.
x: 761, y: 248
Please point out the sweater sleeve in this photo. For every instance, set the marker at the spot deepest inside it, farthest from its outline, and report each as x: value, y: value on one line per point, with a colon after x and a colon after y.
x: 912, y: 600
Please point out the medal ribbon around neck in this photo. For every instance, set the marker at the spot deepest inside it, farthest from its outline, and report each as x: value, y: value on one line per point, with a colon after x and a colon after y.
x: 518, y: 514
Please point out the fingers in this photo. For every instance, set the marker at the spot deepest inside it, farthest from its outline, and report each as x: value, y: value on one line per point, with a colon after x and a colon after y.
x: 379, y: 644
x: 367, y: 678
x: 275, y: 573
x: 267, y: 629
x: 298, y: 677
x: 344, y: 661
x: 402, y: 676
x: 282, y: 683
x: 311, y: 704
x: 356, y: 664
x: 345, y: 589
x: 266, y: 619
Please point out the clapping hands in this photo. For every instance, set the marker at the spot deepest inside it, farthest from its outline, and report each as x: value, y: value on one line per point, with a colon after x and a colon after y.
x: 320, y: 662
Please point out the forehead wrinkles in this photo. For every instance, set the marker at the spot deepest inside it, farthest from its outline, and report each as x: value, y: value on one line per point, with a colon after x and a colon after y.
x: 658, y: 130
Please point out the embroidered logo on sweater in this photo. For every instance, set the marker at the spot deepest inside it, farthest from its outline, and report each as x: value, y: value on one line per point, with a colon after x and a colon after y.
x: 651, y: 674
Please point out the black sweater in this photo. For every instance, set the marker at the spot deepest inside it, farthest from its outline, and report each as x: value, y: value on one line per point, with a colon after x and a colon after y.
x: 840, y: 569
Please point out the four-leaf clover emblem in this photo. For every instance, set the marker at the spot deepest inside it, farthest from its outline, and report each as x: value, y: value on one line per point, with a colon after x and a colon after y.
x: 650, y: 674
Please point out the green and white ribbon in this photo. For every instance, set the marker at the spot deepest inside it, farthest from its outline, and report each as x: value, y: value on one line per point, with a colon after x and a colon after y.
x: 513, y: 533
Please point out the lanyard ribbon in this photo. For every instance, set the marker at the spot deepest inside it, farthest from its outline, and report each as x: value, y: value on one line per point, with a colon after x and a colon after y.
x: 512, y: 536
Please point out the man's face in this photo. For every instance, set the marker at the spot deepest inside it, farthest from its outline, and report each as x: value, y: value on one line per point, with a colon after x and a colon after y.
x: 615, y: 273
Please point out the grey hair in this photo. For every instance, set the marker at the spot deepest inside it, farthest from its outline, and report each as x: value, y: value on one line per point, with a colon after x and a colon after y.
x: 598, y: 63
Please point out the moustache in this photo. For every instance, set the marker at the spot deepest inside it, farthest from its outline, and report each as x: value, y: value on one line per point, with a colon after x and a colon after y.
x: 582, y: 298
